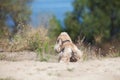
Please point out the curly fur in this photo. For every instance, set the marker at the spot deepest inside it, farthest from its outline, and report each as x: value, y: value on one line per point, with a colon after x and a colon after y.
x: 68, y: 51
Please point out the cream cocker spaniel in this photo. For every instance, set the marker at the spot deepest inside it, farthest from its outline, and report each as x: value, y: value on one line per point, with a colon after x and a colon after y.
x: 68, y: 51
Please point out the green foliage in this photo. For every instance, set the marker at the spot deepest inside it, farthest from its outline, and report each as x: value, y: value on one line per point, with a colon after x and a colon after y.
x: 41, y: 54
x: 35, y: 42
x: 72, y: 26
x: 97, y: 20
x: 55, y: 27
x: 18, y: 10
x: 2, y: 56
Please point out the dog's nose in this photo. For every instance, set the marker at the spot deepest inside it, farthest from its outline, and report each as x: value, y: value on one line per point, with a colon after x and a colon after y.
x: 56, y: 51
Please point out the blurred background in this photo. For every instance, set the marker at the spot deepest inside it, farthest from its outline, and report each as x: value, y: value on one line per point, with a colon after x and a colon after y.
x: 93, y: 25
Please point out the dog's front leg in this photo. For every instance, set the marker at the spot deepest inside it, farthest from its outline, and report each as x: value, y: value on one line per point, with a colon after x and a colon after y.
x: 65, y: 55
x: 60, y: 56
x: 64, y: 59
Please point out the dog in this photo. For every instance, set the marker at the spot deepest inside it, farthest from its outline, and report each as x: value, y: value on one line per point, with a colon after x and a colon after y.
x: 68, y: 51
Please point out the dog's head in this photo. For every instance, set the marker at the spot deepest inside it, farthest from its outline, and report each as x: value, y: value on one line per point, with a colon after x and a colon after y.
x: 62, y: 38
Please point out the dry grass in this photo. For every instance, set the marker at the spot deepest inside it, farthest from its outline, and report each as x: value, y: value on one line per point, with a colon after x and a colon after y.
x: 36, y: 39
x: 108, y: 49
x: 28, y: 38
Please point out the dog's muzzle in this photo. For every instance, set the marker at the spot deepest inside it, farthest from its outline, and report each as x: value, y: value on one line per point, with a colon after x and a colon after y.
x: 58, y: 47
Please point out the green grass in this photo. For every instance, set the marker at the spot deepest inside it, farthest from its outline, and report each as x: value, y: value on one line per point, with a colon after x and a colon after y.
x: 2, y: 56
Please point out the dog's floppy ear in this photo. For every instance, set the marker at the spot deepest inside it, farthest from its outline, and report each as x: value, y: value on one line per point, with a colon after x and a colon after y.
x: 59, y: 41
x: 58, y: 45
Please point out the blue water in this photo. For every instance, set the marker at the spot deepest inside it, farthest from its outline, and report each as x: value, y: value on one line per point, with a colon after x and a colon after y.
x: 48, y: 7
x: 43, y: 8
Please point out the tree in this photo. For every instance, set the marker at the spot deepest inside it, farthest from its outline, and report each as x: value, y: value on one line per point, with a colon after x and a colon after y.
x: 55, y: 28
x: 72, y: 26
x: 97, y: 20
x: 17, y: 10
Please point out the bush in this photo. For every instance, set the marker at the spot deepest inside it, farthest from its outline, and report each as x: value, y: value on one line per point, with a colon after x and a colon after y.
x: 107, y: 49
x: 28, y: 38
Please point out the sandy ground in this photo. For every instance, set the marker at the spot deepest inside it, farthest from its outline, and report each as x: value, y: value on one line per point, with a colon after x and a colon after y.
x: 105, y: 69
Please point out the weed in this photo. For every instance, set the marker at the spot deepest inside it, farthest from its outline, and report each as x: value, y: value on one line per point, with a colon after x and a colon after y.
x: 8, y: 78
x: 50, y: 74
x: 41, y: 55
x: 2, y: 56
x: 70, y: 69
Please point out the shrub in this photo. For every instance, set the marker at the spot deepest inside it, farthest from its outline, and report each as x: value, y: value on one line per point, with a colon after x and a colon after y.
x: 28, y: 38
